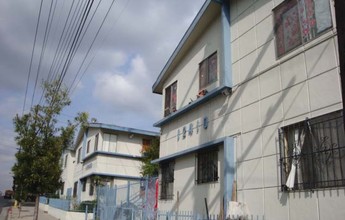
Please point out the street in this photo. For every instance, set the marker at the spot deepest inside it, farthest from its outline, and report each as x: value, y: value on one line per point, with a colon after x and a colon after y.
x: 4, y: 205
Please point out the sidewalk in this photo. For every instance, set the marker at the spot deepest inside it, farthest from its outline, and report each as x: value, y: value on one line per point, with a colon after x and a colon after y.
x: 27, y: 213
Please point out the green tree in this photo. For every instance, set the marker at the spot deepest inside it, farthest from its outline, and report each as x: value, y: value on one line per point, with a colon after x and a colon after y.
x: 37, y: 169
x: 151, y: 153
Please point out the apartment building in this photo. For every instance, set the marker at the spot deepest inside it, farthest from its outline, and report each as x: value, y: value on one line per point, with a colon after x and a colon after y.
x: 252, y: 112
x: 103, y: 154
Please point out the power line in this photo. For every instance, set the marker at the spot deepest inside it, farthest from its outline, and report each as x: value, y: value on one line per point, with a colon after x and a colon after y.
x: 42, y: 51
x: 32, y: 55
x: 91, y: 60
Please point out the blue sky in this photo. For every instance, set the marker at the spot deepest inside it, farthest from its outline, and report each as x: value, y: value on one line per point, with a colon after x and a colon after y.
x: 132, y: 47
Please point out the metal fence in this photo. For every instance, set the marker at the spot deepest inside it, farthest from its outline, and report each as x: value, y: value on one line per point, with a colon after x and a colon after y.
x: 185, y: 215
x: 135, y: 200
x: 60, y: 204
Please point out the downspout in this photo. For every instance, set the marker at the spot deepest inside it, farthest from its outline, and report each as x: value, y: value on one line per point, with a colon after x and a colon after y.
x: 226, y: 79
x: 229, y: 172
x: 225, y: 58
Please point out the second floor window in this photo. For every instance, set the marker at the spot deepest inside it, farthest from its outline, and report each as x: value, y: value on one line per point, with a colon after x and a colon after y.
x: 208, y: 71
x: 170, y: 99
x: 96, y: 142
x: 88, y: 146
x: 299, y: 21
x: 79, y: 155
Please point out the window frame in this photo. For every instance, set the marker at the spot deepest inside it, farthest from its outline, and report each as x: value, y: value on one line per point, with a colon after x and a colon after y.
x: 167, y: 180
x: 88, y: 146
x: 204, y: 162
x: 301, y: 21
x: 91, y: 188
x: 65, y: 161
x: 210, y: 74
x: 79, y: 155
x: 75, y: 189
x: 170, y: 101
x: 324, y: 138
x: 96, y: 142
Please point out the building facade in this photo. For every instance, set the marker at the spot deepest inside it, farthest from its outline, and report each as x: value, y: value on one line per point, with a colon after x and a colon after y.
x: 103, y: 154
x: 253, y: 112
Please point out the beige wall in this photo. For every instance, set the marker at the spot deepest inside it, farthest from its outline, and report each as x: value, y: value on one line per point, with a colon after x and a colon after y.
x: 268, y: 93
x: 187, y: 73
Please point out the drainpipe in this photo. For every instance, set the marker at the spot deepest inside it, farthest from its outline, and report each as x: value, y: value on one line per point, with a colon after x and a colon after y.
x: 225, y: 56
x: 226, y: 79
x: 229, y: 172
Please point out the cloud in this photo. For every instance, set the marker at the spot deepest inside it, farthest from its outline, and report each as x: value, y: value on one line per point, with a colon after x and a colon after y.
x: 127, y: 91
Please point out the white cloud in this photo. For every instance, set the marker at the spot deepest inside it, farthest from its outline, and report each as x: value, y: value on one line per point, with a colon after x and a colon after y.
x: 128, y: 91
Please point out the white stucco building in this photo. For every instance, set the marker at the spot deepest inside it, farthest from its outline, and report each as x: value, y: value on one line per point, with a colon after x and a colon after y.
x: 110, y: 152
x: 252, y: 112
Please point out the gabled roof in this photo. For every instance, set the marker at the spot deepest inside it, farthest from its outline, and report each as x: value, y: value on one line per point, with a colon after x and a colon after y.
x: 208, y: 11
x: 112, y: 128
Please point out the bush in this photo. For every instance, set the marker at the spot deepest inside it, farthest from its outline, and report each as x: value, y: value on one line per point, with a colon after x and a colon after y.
x: 90, y: 205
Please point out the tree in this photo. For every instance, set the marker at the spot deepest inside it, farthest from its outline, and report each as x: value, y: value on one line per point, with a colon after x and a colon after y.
x: 151, y: 153
x: 37, y: 169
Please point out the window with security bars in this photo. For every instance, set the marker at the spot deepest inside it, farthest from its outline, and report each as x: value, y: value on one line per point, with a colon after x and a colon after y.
x: 207, y: 166
x: 312, y: 153
x: 167, y: 180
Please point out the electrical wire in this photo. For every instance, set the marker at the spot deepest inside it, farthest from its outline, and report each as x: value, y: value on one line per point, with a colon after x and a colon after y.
x: 32, y: 55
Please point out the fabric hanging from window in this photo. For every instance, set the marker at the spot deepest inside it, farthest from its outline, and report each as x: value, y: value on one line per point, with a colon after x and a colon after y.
x: 299, y: 137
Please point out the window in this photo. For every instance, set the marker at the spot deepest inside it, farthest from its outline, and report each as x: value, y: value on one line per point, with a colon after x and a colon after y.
x: 84, y: 185
x: 88, y: 146
x: 312, y: 153
x: 208, y: 71
x: 75, y: 189
x: 300, y: 21
x: 170, y: 99
x: 96, y: 142
x: 207, y: 166
x: 109, y: 143
x: 66, y: 157
x: 79, y: 155
x: 167, y: 180
x: 146, y: 144
x: 62, y: 187
x: 91, y: 189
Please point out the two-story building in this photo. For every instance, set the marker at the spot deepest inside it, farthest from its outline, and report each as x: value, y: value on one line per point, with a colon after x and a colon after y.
x: 253, y: 112
x: 103, y: 154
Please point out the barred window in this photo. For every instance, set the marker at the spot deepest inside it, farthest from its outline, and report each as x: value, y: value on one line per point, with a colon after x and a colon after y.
x: 312, y: 153
x: 167, y: 180
x: 207, y: 166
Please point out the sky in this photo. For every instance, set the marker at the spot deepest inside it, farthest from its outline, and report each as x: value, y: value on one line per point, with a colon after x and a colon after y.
x: 113, y: 73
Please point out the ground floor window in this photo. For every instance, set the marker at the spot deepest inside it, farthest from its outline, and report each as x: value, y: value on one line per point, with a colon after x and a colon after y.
x: 75, y: 189
x: 167, y: 180
x: 312, y: 153
x: 207, y: 166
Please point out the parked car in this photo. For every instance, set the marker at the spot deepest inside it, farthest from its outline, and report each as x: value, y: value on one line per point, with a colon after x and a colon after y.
x: 8, y: 194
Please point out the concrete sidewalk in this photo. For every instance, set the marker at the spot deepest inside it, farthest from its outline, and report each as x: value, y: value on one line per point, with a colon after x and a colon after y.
x: 27, y: 213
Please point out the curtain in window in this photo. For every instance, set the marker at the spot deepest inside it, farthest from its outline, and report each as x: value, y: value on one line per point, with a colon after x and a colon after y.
x: 299, y: 138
